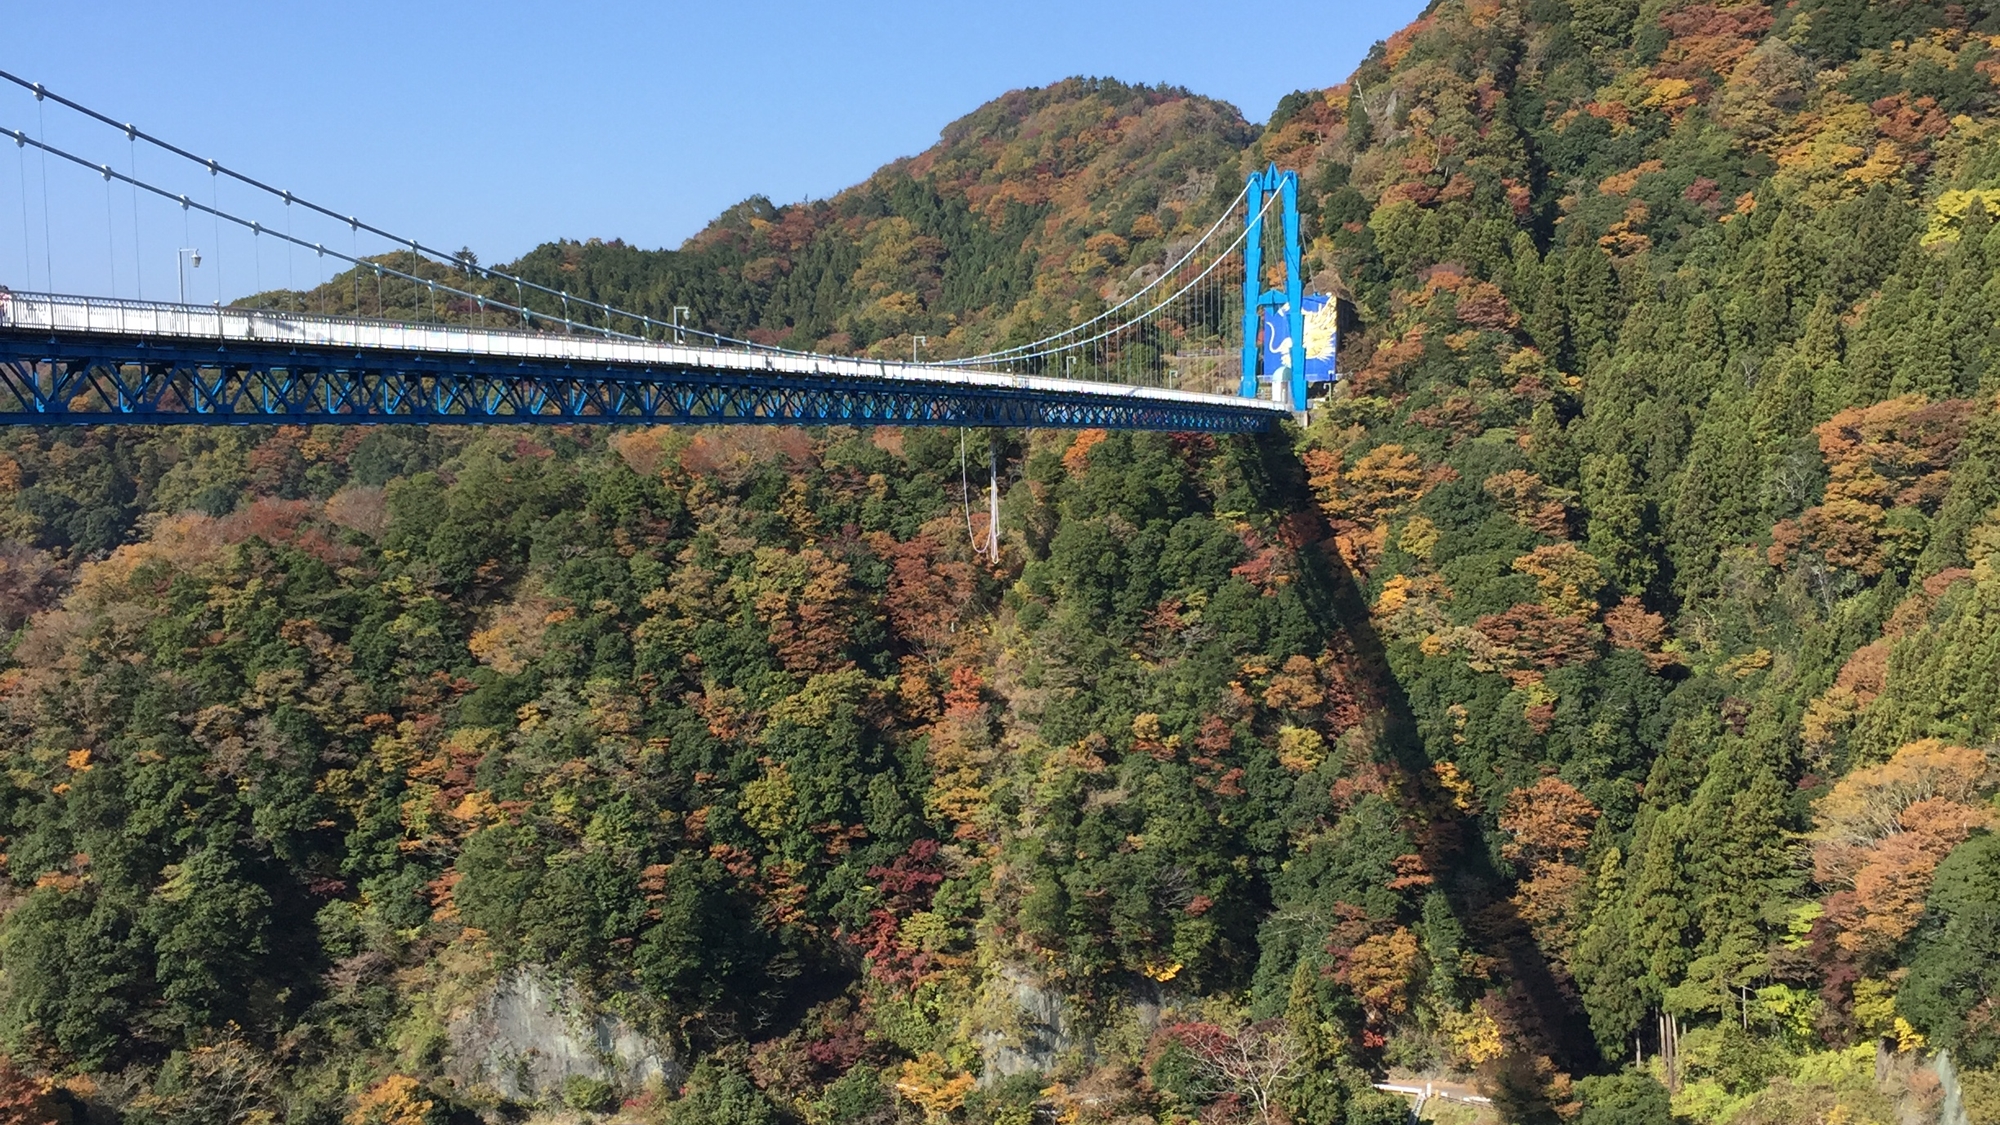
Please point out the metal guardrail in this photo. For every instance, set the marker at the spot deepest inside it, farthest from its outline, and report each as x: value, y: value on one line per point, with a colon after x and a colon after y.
x: 1425, y: 1093
x: 64, y: 315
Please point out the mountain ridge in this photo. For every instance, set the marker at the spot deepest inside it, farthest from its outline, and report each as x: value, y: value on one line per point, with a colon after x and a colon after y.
x: 1604, y: 673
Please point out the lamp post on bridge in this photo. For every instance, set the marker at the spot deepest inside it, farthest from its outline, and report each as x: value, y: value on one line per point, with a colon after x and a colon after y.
x: 680, y: 337
x: 180, y: 267
x: 914, y: 341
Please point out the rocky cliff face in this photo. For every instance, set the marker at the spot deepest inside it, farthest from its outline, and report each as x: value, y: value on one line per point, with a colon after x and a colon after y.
x: 1035, y: 1031
x: 531, y: 1033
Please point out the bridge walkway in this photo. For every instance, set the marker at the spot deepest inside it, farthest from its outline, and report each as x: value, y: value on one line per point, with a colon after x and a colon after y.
x: 89, y: 360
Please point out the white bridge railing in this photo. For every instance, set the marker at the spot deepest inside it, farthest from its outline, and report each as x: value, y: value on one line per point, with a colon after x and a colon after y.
x: 62, y: 315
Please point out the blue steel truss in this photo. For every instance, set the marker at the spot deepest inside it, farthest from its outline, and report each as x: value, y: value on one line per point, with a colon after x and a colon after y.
x: 74, y: 379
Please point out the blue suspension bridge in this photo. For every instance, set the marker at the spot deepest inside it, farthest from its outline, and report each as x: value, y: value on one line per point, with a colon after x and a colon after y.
x: 1190, y: 349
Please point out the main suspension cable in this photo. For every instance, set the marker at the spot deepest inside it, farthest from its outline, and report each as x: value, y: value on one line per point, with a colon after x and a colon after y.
x: 381, y: 270
x: 216, y: 168
x: 1103, y: 337
x: 1064, y: 342
x: 1167, y: 273
x: 257, y: 230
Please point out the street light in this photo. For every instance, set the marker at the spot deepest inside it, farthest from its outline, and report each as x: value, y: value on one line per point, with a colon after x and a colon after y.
x: 180, y: 267
x: 680, y: 337
x: 914, y: 341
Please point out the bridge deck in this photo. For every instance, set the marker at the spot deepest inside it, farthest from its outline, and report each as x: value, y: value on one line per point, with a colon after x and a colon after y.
x: 50, y: 332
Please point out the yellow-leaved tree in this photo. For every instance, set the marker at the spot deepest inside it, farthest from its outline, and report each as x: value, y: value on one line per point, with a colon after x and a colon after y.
x: 396, y: 1100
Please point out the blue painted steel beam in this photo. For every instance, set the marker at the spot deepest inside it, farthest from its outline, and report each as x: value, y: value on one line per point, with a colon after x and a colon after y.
x: 75, y: 380
x: 1285, y: 185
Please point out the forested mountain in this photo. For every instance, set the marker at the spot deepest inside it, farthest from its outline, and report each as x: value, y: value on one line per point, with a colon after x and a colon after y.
x: 1594, y: 706
x: 1024, y: 216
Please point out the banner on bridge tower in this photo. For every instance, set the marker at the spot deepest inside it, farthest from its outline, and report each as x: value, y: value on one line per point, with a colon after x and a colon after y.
x: 1276, y: 338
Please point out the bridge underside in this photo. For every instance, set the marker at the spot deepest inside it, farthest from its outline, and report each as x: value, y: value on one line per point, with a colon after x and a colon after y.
x: 73, y: 379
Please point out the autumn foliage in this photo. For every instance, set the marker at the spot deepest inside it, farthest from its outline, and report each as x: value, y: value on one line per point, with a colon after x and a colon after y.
x: 1882, y: 831
x: 1596, y: 694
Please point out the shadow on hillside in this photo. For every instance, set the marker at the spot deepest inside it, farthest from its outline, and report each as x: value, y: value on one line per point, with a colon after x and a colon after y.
x: 1480, y: 894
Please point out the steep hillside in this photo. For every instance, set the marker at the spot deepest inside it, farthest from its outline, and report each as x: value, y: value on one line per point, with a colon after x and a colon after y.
x: 1666, y: 464
x: 1594, y: 706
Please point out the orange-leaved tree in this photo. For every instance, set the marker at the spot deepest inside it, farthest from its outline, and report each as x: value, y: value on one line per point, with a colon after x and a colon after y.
x: 1882, y: 831
x: 1549, y: 825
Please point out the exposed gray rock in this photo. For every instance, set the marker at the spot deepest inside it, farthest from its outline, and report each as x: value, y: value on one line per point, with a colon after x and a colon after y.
x: 531, y: 1032
x: 1032, y: 1029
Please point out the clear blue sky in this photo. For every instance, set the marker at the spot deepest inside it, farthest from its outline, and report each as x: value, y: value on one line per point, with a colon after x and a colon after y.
x: 503, y: 124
